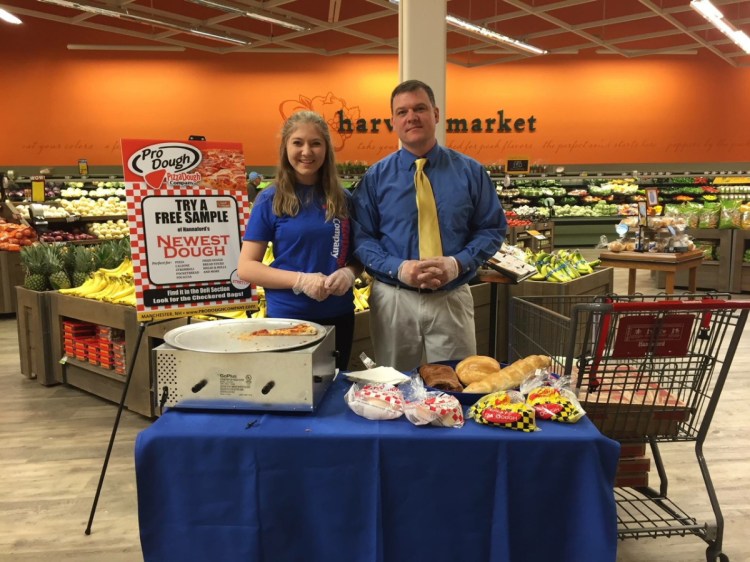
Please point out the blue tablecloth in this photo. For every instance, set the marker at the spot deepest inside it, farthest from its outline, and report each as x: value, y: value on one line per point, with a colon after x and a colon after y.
x: 331, y: 486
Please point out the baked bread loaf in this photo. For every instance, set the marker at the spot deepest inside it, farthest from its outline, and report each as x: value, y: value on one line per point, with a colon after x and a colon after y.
x: 511, y: 376
x: 475, y: 367
x: 441, y: 377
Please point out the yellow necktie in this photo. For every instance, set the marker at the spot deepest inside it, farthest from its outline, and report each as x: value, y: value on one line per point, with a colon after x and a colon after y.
x: 430, y: 245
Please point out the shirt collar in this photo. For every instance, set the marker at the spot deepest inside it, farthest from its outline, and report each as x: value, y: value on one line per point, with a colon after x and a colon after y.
x: 407, y: 159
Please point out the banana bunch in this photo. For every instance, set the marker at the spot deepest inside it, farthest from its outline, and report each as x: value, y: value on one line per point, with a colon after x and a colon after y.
x: 108, y: 285
x: 559, y: 267
x: 261, y: 312
x: 361, y: 295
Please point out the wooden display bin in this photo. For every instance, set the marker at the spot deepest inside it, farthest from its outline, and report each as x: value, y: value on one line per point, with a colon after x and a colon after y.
x: 525, y: 238
x: 363, y: 343
x: 711, y: 274
x: 600, y: 282
x: 740, y: 271
x: 98, y: 380
x: 11, y: 275
x: 32, y: 314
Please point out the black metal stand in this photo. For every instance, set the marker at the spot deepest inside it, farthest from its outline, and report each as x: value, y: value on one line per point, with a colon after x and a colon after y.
x: 120, y: 406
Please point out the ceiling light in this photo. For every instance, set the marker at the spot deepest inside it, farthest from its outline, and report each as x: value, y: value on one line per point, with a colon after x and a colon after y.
x: 714, y: 16
x: 146, y: 20
x: 489, y: 34
x: 8, y: 17
x: 155, y: 48
x: 218, y: 37
x: 274, y: 19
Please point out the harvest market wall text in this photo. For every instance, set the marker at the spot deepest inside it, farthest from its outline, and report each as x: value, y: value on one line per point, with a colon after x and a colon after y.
x: 501, y: 124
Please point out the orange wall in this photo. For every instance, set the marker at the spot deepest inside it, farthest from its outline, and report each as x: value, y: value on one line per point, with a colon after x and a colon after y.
x: 59, y: 105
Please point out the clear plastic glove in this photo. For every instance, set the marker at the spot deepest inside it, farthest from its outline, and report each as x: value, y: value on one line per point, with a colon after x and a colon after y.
x: 340, y: 281
x: 312, y: 284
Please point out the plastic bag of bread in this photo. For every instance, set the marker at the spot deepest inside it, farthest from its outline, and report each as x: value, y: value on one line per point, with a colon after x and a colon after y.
x: 511, y: 376
x: 556, y: 404
x: 504, y: 409
x: 375, y: 401
x: 435, y: 408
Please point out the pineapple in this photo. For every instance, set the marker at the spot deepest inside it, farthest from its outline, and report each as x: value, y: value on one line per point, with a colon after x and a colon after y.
x: 106, y: 255
x: 58, y: 279
x: 83, y: 264
x: 34, y: 260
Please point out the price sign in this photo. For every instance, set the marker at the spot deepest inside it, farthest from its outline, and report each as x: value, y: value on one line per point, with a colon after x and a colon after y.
x: 37, y: 188
x: 517, y: 166
x: 83, y: 167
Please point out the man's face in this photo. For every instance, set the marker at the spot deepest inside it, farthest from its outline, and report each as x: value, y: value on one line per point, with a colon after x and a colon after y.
x: 414, y: 119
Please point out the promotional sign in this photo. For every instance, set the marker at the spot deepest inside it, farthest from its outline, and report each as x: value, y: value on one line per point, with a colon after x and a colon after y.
x: 187, y: 208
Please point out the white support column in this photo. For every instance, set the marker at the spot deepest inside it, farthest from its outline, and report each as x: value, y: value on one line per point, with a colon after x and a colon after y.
x: 422, y: 49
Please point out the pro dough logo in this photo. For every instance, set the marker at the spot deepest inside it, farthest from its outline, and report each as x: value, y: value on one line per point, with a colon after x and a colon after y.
x: 153, y: 163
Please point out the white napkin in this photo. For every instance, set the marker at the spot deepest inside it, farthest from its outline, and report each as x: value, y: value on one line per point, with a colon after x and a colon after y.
x: 384, y: 375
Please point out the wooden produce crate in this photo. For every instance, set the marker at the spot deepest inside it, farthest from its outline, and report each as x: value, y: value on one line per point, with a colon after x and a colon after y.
x: 34, y: 347
x: 107, y: 382
x: 539, y: 236
x: 600, y: 282
x: 740, y: 271
x: 11, y: 275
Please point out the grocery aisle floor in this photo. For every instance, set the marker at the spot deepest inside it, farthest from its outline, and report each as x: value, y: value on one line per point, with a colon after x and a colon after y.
x: 53, y: 441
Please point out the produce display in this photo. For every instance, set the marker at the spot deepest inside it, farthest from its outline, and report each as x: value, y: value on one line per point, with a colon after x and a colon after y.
x: 59, y: 266
x: 109, y: 230
x: 115, y: 285
x: 15, y: 236
x: 559, y: 266
x: 75, y: 234
x: 88, y: 207
x: 48, y: 211
x: 584, y: 196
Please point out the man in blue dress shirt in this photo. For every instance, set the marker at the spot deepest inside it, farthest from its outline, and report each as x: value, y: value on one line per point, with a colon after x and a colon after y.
x: 421, y: 308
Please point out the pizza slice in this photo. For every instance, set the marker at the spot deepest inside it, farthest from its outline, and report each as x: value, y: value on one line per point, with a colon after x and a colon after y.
x: 296, y: 330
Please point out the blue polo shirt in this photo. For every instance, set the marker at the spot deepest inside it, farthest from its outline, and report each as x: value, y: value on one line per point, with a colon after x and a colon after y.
x: 304, y: 243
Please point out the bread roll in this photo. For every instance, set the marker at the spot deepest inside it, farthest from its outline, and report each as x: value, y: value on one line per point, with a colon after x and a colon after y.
x: 511, y: 376
x: 475, y: 367
x: 441, y: 377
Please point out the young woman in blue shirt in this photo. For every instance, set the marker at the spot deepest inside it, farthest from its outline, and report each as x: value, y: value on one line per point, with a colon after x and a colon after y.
x: 305, y: 215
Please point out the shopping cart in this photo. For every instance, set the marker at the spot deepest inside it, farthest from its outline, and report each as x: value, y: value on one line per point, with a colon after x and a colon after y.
x: 647, y: 369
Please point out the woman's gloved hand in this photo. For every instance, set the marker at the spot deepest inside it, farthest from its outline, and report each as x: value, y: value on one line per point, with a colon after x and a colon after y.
x: 312, y: 284
x: 340, y: 281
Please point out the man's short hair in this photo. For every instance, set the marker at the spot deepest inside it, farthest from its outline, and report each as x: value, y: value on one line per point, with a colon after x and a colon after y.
x: 412, y: 86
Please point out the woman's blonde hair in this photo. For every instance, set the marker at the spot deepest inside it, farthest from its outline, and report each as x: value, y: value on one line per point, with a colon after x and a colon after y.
x: 286, y: 201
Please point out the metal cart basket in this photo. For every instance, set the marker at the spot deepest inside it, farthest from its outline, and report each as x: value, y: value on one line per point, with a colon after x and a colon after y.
x: 647, y: 369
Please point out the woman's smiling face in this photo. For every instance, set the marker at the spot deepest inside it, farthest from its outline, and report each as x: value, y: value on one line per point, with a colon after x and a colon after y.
x: 306, y: 151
